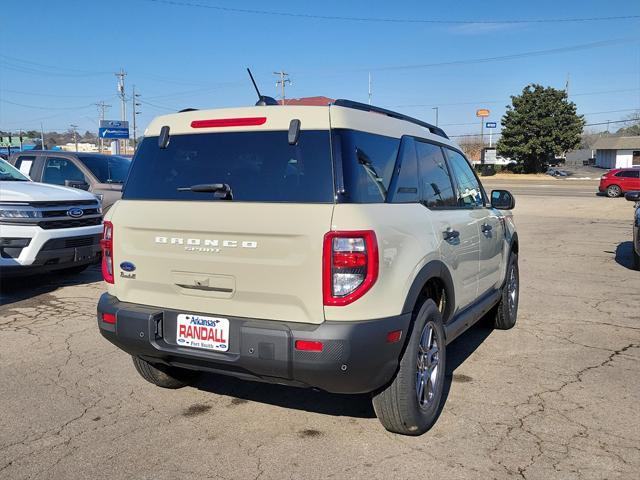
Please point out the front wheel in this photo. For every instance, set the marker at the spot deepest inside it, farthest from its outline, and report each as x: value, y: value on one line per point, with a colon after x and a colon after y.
x: 411, y: 403
x: 506, y: 312
x: 613, y: 191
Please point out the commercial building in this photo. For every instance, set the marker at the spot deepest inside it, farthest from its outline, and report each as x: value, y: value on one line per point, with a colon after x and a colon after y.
x: 617, y: 152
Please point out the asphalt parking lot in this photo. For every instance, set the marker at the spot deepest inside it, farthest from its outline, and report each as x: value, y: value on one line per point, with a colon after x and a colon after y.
x: 556, y: 397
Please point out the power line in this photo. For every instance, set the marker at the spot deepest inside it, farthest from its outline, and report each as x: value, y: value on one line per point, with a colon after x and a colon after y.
x: 628, y: 120
x: 26, y: 66
x: 534, y: 53
x: 37, y: 94
x: 39, y: 107
x: 391, y: 20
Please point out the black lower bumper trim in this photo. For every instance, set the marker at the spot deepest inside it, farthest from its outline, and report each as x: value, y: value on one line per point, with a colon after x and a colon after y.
x: 356, y: 357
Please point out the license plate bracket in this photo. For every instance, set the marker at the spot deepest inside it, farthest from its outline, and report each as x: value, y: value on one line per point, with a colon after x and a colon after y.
x: 83, y: 254
x: 202, y: 332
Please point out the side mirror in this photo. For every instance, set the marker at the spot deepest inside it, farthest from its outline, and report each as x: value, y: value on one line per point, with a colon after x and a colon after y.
x: 633, y: 196
x: 502, y: 200
x: 76, y: 184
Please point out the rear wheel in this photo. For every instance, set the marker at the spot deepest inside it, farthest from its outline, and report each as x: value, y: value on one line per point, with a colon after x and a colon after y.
x: 411, y: 403
x: 506, y: 312
x: 614, y: 191
x: 163, y: 375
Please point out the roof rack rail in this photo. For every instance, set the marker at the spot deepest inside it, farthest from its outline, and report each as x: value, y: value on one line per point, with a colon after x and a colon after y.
x: 389, y: 113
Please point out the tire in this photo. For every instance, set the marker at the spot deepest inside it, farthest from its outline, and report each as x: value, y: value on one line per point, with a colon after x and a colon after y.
x: 613, y: 191
x: 164, y: 376
x: 74, y: 270
x: 399, y: 407
x: 506, y: 312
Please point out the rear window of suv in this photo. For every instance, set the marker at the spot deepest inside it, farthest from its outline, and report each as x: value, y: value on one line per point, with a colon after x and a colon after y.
x: 258, y: 166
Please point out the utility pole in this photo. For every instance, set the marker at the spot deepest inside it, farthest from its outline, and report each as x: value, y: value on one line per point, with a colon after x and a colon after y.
x: 135, y: 112
x: 123, y: 104
x: 284, y: 79
x: 566, y: 88
x: 102, y: 107
x: 369, y: 88
x: 41, y: 136
x: 437, y: 110
x: 75, y: 135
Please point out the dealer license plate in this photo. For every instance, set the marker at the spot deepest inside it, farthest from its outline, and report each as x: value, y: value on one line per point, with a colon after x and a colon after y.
x: 209, y: 333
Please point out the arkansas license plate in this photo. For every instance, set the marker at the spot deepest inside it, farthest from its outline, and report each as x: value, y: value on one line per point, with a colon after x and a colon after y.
x: 209, y: 333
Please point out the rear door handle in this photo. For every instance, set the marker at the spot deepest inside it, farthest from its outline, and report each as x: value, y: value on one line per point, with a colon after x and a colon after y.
x: 450, y: 234
x: 486, y: 228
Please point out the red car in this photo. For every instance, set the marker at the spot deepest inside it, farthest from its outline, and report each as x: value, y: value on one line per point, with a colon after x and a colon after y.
x: 620, y: 180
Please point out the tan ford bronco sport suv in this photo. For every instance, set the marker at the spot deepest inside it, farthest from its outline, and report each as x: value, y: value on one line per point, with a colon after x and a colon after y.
x: 339, y: 247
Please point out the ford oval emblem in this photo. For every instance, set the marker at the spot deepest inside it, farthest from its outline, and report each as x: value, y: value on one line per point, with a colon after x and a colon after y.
x: 127, y: 266
x: 75, y: 212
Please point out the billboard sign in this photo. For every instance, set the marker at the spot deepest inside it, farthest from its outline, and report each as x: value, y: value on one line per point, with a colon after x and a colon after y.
x: 113, y: 129
x: 490, y: 124
x: 482, y: 112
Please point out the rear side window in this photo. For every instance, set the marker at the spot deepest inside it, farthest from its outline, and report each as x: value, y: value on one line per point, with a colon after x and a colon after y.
x: 258, y: 166
x: 405, y: 188
x: 628, y: 174
x: 24, y: 163
x: 107, y: 168
x: 368, y: 161
x: 435, y: 179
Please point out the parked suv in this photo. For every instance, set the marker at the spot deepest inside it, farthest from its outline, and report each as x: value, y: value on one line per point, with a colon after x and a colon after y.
x: 635, y: 248
x: 102, y: 175
x: 338, y: 247
x: 620, y: 180
x: 45, y: 227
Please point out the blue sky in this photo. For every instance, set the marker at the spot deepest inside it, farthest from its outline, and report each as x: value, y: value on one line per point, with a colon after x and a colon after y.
x: 58, y: 58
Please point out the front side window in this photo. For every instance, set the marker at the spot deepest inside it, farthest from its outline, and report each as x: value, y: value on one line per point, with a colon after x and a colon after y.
x: 437, y: 188
x: 368, y: 161
x: 469, y: 190
x: 58, y: 170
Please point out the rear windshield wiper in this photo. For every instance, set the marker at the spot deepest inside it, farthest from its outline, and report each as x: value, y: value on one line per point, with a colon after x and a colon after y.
x: 215, y: 188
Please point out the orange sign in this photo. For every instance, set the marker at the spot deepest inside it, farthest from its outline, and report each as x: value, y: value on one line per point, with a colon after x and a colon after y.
x: 482, y: 112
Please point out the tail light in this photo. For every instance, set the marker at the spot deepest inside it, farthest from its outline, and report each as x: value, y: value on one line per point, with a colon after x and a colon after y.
x: 350, y: 266
x: 107, y: 252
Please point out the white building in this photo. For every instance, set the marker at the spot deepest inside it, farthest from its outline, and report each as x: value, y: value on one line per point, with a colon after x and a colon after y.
x: 617, y: 152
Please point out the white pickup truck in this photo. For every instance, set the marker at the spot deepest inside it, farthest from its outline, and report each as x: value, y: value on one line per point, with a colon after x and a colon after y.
x: 45, y: 227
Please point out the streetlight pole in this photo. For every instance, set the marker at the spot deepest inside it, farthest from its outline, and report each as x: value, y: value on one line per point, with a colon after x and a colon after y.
x: 436, y: 109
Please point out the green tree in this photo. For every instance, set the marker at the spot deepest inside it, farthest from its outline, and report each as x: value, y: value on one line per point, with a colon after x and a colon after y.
x: 538, y: 125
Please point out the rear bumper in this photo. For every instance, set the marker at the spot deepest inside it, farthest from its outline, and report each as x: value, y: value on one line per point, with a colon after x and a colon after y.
x: 356, y: 357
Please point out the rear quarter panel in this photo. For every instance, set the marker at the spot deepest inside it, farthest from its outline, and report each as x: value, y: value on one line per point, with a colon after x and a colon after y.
x: 405, y: 245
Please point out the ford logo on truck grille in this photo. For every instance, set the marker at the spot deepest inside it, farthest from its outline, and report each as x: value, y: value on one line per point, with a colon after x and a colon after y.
x: 75, y: 212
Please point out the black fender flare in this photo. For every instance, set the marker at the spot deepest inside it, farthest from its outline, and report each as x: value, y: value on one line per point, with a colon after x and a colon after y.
x: 433, y: 269
x: 514, y: 240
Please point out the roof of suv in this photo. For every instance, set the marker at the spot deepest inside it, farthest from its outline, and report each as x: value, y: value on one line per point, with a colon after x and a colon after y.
x: 343, y: 114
